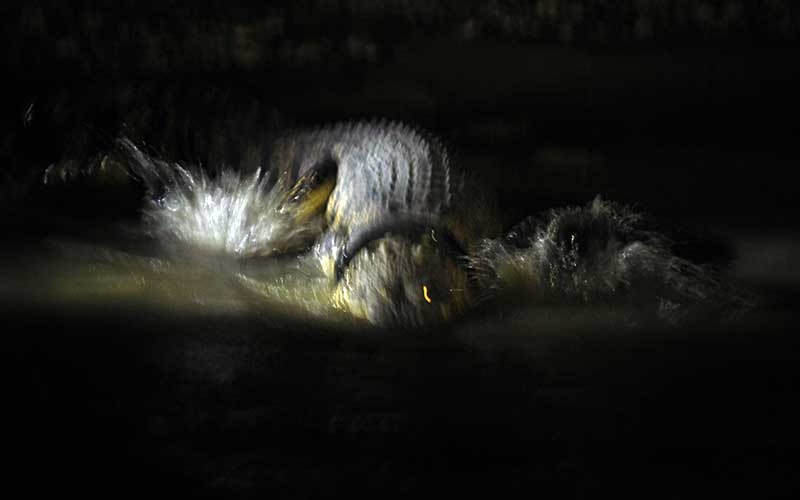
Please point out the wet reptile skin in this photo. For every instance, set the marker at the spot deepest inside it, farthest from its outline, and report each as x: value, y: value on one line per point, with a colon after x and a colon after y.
x: 396, y: 216
x: 382, y: 171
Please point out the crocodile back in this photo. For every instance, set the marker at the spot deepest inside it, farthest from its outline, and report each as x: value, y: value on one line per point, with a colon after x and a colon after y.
x: 384, y: 170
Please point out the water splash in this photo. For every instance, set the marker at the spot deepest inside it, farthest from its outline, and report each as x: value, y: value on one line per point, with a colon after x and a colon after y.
x: 600, y: 253
x: 230, y: 213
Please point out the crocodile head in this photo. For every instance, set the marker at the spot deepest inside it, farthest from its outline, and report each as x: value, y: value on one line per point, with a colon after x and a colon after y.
x: 402, y: 273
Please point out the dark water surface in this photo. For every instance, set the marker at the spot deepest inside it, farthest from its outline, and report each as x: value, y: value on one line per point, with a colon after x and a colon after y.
x: 111, y: 399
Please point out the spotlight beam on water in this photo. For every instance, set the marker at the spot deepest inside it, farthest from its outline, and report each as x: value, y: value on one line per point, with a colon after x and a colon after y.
x: 99, y: 278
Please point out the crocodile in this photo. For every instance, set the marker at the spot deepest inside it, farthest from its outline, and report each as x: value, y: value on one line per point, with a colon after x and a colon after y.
x: 405, y: 240
x: 409, y: 242
x: 396, y: 237
x: 377, y: 204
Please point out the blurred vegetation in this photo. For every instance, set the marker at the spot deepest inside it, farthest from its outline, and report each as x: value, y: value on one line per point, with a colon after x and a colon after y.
x: 116, y: 38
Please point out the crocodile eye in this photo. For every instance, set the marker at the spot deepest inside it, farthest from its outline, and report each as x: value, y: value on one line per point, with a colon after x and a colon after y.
x: 425, y: 294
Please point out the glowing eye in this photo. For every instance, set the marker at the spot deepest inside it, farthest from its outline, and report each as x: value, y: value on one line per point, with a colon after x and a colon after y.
x: 425, y: 294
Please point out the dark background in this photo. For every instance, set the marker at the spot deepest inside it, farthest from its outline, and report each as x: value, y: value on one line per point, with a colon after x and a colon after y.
x: 677, y: 105
x: 687, y: 109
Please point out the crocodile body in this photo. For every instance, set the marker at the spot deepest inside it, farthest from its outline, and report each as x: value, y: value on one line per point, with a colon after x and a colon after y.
x: 394, y: 232
x: 405, y: 239
x: 394, y: 208
x: 382, y: 171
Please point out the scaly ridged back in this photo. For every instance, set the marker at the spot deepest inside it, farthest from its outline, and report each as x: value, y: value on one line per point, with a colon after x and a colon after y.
x: 382, y: 169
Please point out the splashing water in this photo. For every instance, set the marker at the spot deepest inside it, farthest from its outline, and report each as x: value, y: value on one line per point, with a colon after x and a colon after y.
x: 232, y: 215
x: 229, y: 214
x: 601, y: 253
